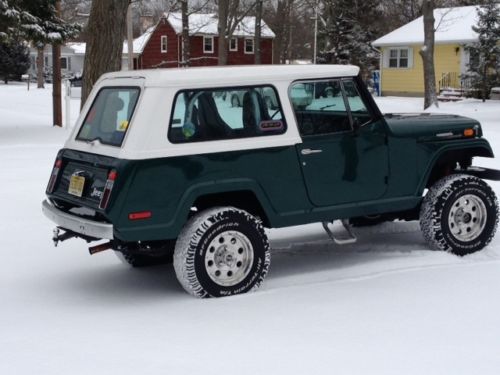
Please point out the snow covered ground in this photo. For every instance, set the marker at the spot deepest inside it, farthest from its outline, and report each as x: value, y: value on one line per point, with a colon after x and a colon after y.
x: 386, y: 305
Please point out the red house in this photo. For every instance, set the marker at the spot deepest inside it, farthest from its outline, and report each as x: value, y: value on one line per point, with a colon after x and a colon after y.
x: 161, y: 45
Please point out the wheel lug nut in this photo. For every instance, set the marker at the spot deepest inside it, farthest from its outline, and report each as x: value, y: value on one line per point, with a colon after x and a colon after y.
x: 233, y: 240
x: 240, y: 250
x: 229, y: 273
x: 217, y: 273
x: 238, y: 264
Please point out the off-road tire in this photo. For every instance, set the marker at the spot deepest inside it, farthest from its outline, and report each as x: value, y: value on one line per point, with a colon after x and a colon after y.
x: 437, y: 208
x: 195, y: 250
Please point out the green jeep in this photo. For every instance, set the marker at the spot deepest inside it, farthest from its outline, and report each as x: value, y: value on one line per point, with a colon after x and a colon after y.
x: 161, y: 164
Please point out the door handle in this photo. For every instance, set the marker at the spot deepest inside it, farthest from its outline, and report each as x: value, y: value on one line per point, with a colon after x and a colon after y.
x: 308, y: 151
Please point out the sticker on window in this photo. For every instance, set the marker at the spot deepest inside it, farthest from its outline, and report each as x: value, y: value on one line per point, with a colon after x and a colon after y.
x: 270, y: 125
x: 122, y: 126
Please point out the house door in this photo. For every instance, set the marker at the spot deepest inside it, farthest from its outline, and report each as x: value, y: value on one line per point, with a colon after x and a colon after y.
x: 344, y: 155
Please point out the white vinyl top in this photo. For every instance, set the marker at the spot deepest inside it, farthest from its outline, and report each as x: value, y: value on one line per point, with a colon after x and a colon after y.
x: 200, y: 23
x: 454, y: 25
x: 234, y: 75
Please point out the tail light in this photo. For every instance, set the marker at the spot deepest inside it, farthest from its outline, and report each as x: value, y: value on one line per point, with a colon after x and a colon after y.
x: 107, y: 189
x: 54, y: 175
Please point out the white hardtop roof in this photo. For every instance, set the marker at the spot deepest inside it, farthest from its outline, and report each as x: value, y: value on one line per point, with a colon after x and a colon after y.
x: 234, y: 75
x: 206, y: 23
x: 454, y: 25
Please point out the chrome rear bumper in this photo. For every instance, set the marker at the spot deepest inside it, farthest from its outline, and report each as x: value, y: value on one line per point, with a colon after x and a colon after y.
x: 77, y: 224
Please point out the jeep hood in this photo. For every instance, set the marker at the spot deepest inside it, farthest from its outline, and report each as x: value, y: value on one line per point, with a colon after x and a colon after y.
x: 427, y: 125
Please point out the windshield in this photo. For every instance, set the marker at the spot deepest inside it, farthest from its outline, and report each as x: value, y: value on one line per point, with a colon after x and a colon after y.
x: 108, y: 118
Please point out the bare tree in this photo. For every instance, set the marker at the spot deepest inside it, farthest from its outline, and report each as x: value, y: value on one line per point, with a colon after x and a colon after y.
x: 186, y: 47
x: 40, y: 67
x: 105, y: 32
x: 258, y: 31
x: 230, y: 14
x: 427, y: 53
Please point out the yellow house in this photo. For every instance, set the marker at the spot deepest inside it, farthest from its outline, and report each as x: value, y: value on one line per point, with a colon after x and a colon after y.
x: 401, y: 68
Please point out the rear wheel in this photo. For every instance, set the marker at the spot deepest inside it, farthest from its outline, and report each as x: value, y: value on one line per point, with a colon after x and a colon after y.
x: 220, y: 252
x: 459, y: 214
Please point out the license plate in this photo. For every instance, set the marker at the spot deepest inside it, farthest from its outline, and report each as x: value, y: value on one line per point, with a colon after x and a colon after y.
x: 76, y: 184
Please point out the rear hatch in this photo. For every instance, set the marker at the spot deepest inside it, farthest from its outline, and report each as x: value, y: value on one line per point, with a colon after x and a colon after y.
x: 82, y: 179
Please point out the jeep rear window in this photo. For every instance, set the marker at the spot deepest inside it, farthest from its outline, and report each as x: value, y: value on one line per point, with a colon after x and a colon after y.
x: 109, y: 116
x: 225, y: 113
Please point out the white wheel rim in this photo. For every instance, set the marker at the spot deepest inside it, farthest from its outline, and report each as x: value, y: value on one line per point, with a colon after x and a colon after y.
x: 229, y: 258
x: 467, y: 218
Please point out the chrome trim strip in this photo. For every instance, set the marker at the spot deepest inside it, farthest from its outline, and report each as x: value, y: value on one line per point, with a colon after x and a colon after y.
x: 77, y: 224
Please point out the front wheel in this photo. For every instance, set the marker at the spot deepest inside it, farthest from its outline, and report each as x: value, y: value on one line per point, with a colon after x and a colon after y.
x: 459, y: 214
x: 220, y: 252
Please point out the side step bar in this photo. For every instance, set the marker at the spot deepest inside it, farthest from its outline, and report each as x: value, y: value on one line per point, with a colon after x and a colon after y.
x: 347, y: 238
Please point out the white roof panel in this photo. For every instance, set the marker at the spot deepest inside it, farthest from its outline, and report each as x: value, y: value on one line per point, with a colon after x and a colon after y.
x: 234, y: 75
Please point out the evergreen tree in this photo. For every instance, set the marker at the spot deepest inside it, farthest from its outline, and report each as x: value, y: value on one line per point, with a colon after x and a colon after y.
x: 33, y: 20
x: 484, y: 66
x: 347, y: 32
x: 14, y: 60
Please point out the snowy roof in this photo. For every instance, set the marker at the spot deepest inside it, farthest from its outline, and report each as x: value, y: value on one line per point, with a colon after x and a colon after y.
x: 138, y: 43
x: 201, y: 23
x: 454, y: 25
x: 78, y: 48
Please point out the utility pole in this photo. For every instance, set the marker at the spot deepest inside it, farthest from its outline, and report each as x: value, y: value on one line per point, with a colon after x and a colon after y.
x: 315, y: 18
x: 56, y: 77
x: 130, y: 44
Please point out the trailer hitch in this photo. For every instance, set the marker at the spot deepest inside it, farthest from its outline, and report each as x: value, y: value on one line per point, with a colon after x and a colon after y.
x: 58, y: 237
x: 67, y: 234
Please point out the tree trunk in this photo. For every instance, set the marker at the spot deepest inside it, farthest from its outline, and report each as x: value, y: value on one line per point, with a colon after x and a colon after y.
x: 56, y: 85
x: 105, y: 32
x: 427, y: 53
x: 40, y: 78
x: 258, y: 30
x: 223, y: 14
x: 56, y: 78
x: 186, y: 47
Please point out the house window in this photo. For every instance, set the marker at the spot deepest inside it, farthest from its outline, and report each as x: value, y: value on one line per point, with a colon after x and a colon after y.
x: 163, y: 43
x: 249, y: 46
x: 399, y: 58
x: 208, y: 44
x: 233, y: 44
x: 65, y: 63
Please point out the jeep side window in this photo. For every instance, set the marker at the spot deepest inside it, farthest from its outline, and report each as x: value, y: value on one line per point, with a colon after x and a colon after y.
x: 359, y: 111
x: 320, y: 107
x: 225, y: 113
